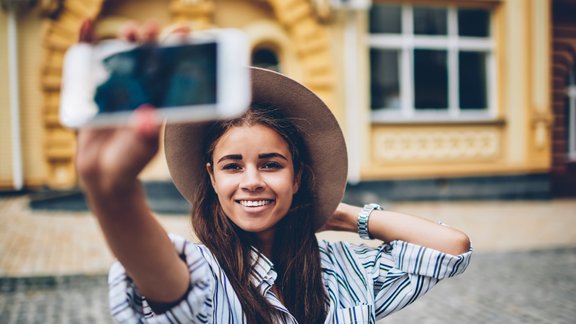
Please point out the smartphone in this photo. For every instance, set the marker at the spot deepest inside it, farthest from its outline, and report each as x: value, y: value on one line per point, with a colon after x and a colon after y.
x: 201, y: 77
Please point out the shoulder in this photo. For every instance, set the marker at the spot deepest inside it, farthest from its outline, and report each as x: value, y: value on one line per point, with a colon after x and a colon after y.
x: 127, y: 304
x: 193, y: 252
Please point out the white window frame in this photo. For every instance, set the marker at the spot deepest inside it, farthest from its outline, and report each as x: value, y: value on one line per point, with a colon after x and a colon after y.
x: 407, y: 42
x: 571, y: 94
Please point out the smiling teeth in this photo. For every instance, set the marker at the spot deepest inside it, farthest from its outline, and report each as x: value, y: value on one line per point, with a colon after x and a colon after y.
x: 257, y: 203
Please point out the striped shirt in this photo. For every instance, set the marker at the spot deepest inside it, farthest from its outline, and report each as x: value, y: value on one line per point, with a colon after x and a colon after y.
x: 363, y: 283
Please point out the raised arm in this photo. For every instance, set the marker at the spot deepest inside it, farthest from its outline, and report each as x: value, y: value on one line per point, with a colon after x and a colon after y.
x: 108, y: 163
x: 389, y: 226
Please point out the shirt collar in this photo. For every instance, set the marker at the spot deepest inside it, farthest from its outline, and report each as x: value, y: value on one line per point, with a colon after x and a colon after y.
x: 263, y: 273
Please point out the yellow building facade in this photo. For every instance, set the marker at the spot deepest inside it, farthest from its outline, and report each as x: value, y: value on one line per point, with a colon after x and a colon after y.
x: 338, y: 49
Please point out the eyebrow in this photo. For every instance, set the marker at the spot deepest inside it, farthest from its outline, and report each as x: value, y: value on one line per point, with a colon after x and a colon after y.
x: 230, y: 157
x: 260, y: 156
x: 271, y: 155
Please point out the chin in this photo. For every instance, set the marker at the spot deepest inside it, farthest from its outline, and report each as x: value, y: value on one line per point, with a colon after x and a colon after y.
x: 254, y: 227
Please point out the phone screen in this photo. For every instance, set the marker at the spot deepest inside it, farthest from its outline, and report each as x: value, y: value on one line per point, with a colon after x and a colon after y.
x: 182, y: 75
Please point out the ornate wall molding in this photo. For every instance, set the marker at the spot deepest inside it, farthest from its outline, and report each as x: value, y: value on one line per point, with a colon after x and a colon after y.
x: 198, y: 12
x: 310, y: 38
x: 312, y: 42
x: 58, y: 35
x: 442, y: 145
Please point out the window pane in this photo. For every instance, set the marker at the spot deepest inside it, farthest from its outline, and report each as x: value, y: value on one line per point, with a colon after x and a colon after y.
x: 430, y: 21
x: 570, y: 114
x: 430, y: 79
x: 473, y: 81
x: 384, y: 79
x: 474, y: 22
x: 570, y: 143
x: 386, y: 19
x: 265, y: 58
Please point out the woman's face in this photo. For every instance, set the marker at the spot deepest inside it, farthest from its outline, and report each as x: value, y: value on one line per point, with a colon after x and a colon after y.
x: 253, y: 176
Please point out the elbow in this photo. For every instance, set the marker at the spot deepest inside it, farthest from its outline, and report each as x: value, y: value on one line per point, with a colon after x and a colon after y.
x: 461, y: 243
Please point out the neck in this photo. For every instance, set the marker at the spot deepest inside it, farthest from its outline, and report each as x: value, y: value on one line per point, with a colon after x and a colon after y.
x: 266, y: 243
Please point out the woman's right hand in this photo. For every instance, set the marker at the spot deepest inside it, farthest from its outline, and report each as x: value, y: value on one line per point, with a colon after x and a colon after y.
x: 108, y: 162
x: 109, y: 159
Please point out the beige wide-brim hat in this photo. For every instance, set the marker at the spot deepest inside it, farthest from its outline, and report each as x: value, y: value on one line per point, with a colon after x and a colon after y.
x: 318, y: 126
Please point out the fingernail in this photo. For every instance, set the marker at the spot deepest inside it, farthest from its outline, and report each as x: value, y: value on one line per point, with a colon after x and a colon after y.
x: 151, y: 31
x: 86, y: 31
x: 146, y: 120
x: 131, y: 37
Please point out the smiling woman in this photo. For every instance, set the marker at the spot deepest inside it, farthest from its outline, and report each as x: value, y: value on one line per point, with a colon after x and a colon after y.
x: 254, y: 186
x: 258, y: 181
x: 260, y: 187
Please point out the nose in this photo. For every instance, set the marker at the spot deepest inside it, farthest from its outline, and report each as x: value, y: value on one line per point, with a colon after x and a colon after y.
x: 252, y: 180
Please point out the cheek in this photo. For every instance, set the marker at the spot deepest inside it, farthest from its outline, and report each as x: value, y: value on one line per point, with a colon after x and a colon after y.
x: 283, y: 185
x: 223, y: 185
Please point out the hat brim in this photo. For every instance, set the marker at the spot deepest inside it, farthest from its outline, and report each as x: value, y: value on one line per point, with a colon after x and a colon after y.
x: 318, y: 126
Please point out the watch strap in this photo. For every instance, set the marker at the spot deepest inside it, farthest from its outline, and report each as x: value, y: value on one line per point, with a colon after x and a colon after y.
x: 363, y: 218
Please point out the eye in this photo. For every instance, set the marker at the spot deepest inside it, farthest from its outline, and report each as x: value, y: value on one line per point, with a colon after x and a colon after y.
x: 231, y: 166
x: 271, y: 165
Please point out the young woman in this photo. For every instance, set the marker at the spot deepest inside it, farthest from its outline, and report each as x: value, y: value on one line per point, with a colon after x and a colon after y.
x: 260, y: 187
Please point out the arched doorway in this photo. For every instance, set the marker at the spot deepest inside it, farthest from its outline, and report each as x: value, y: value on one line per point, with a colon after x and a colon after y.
x: 266, y: 58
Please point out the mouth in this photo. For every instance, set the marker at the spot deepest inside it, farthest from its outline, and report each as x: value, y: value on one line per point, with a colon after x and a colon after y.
x: 255, y: 203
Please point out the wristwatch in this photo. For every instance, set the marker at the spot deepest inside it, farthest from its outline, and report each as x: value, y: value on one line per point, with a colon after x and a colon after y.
x: 363, y: 217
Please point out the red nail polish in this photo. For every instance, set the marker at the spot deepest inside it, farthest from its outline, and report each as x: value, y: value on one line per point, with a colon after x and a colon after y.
x: 86, y: 31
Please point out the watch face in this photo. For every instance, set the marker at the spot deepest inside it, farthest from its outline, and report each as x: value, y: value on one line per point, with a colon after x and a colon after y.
x: 375, y: 206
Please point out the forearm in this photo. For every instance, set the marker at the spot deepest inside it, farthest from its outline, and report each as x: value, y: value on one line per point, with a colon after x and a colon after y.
x: 139, y: 242
x: 389, y: 226
x: 108, y: 161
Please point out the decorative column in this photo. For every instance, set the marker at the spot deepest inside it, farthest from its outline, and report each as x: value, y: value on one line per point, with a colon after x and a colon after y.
x: 312, y: 43
x: 59, y: 34
x: 200, y: 13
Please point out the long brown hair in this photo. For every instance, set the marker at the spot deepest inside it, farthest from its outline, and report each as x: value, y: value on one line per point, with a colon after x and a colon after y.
x: 296, y: 261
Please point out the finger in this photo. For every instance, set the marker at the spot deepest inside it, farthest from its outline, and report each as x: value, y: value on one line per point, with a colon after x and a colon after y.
x: 86, y: 34
x: 150, y: 31
x: 146, y: 123
x: 129, y: 32
x: 180, y: 30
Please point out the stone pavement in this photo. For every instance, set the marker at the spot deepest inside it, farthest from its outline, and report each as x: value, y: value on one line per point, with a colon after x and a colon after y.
x: 502, y: 288
x: 52, y: 265
x: 510, y: 288
x: 39, y: 243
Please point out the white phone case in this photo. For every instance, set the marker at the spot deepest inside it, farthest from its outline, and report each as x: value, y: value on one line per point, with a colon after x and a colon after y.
x: 83, y: 71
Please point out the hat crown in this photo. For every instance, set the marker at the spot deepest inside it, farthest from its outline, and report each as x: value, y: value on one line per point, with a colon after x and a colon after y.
x: 323, y: 141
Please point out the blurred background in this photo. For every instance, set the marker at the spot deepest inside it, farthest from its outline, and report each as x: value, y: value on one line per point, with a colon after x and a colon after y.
x: 458, y: 110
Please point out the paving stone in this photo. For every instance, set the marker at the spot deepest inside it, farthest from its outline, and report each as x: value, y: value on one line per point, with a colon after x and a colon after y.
x: 74, y: 299
x: 511, y: 288
x: 508, y: 288
x: 52, y: 265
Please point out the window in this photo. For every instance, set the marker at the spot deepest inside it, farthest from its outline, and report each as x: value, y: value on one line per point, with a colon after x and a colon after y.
x: 571, y: 114
x: 430, y: 63
x: 265, y: 58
